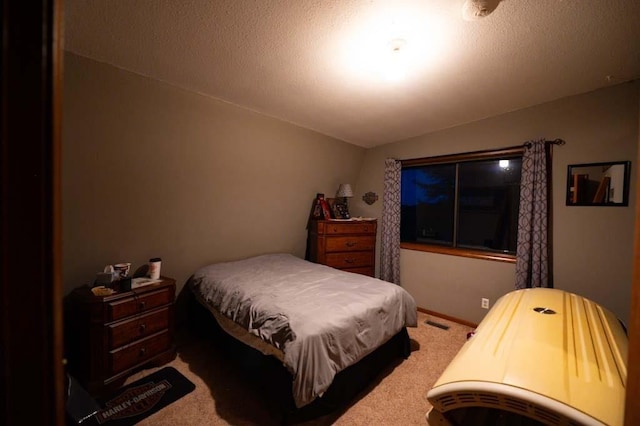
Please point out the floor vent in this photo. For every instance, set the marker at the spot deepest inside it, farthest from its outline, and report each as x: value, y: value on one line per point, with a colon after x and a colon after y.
x: 437, y: 324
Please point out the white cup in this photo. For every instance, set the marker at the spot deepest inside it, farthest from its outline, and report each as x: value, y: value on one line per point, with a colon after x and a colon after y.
x: 154, y: 268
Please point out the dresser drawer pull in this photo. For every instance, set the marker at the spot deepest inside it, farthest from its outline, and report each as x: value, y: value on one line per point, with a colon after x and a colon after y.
x: 143, y: 327
x: 351, y: 243
x: 142, y: 305
x: 335, y: 229
x: 143, y: 351
x: 350, y: 260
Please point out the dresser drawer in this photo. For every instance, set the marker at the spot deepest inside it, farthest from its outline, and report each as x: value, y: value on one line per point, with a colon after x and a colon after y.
x: 366, y: 270
x: 346, y: 245
x: 135, y: 328
x: 122, y: 308
x: 333, y: 244
x: 136, y: 353
x: 349, y: 260
x: 350, y: 228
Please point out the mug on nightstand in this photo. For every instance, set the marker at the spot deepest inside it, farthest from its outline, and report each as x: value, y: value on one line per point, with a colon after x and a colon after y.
x: 154, y: 268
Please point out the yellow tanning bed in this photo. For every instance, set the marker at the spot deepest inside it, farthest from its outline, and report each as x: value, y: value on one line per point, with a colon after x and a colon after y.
x: 543, y: 356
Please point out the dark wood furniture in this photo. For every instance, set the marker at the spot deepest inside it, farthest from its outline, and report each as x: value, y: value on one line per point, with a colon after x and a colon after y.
x: 346, y: 245
x: 111, y: 336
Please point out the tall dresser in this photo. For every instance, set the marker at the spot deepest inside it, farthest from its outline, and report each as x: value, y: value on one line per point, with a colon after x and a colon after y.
x: 347, y: 245
x: 111, y: 336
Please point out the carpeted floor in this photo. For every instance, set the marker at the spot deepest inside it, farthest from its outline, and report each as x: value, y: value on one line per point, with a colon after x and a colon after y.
x: 224, y: 397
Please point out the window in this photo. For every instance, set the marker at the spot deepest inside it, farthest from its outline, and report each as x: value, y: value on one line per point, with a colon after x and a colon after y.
x: 463, y: 204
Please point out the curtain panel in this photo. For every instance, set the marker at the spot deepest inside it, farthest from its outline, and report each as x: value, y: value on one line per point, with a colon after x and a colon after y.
x: 532, y: 253
x: 390, y: 233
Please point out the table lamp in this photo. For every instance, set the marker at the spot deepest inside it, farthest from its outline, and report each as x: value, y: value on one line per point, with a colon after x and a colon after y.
x: 344, y: 192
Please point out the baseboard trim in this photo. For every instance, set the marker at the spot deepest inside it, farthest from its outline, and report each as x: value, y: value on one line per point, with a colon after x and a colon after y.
x: 447, y: 317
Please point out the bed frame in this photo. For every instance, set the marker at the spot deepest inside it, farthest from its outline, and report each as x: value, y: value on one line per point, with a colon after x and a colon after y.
x: 271, y: 375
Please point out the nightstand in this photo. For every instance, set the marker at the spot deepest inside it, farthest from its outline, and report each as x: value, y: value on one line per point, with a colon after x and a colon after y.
x: 112, y: 336
x: 347, y: 245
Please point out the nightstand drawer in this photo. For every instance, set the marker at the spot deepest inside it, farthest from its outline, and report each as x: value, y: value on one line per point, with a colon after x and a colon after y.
x: 133, y: 305
x: 136, y: 353
x: 350, y: 228
x: 349, y: 260
x: 135, y: 328
x: 110, y: 336
x: 334, y: 244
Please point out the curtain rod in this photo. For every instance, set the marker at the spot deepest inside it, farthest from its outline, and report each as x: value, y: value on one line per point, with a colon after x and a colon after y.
x: 470, y: 156
x: 553, y: 142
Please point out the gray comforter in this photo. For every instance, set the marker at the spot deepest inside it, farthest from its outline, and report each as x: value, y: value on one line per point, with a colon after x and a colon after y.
x: 322, y: 319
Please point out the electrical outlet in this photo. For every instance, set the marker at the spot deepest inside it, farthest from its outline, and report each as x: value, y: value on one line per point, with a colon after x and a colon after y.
x: 485, y: 303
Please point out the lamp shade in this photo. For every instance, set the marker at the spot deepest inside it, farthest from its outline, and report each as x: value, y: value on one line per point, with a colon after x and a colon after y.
x: 344, y: 190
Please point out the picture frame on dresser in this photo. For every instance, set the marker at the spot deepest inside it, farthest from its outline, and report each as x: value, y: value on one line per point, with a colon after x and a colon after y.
x: 333, y: 206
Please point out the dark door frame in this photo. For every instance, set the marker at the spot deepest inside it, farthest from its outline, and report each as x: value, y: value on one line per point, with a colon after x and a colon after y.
x: 32, y: 382
x: 632, y: 408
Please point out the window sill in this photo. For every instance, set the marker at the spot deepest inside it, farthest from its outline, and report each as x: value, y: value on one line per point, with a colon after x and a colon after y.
x: 476, y: 254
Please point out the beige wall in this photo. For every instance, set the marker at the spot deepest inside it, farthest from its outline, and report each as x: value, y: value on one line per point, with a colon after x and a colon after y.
x: 592, y: 245
x: 152, y: 170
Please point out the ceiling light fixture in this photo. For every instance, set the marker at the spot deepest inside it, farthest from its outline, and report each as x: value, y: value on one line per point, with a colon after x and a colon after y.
x: 395, y: 67
x: 397, y: 44
x: 393, y: 45
x: 473, y: 10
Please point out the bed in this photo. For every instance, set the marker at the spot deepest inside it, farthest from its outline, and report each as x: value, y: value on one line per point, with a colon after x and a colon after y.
x: 318, y: 322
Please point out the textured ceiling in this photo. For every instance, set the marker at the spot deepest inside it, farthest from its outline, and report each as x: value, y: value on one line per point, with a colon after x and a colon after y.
x: 317, y: 63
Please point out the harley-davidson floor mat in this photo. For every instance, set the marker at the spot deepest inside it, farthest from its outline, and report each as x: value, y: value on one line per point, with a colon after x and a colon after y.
x: 140, y: 399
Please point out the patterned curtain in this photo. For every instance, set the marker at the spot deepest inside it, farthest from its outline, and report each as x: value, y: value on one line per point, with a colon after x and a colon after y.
x: 532, y: 263
x: 390, y: 238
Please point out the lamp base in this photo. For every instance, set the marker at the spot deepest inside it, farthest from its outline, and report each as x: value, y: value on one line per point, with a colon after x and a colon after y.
x: 343, y: 210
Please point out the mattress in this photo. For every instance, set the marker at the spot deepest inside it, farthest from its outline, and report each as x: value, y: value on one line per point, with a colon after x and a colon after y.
x: 320, y: 319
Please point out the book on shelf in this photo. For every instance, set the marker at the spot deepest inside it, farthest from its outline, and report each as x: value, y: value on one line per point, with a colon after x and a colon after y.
x: 602, y: 193
x: 579, y: 188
